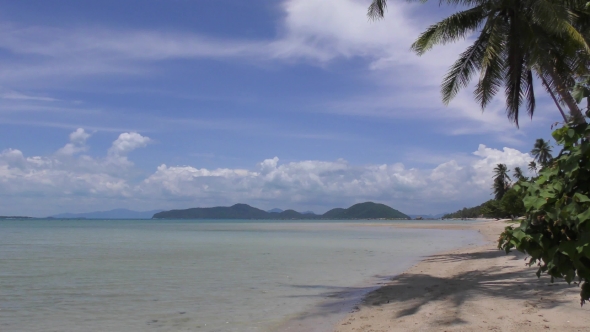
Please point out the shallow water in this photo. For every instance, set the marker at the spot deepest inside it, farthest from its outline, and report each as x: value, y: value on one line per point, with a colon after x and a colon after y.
x: 153, y: 275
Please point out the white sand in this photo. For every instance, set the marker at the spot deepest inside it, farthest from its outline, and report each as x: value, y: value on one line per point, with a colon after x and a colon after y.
x: 470, y: 289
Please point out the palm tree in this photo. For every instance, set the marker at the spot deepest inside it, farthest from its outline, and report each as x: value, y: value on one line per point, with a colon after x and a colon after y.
x: 518, y: 174
x: 501, y: 181
x: 517, y: 40
x: 533, y: 166
x: 542, y: 152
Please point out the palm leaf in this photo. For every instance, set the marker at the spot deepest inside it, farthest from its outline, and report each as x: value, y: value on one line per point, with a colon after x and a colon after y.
x: 377, y: 9
x: 513, y: 78
x: 450, y: 29
x: 493, y: 66
x: 460, y: 73
x: 530, y: 93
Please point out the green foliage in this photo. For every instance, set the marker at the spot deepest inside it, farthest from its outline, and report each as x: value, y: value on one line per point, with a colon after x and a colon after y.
x: 474, y: 212
x: 501, y: 181
x: 542, y: 152
x: 509, y: 206
x: 512, y: 204
x: 556, y: 232
x: 492, y: 209
x: 518, y: 174
x: 533, y: 166
x: 581, y: 90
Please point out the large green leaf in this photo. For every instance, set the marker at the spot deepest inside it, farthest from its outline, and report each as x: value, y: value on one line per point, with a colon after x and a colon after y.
x: 581, y: 198
x: 584, y: 216
x: 534, y: 202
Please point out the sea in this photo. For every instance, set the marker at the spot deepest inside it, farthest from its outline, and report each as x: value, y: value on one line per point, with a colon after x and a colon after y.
x: 206, y: 275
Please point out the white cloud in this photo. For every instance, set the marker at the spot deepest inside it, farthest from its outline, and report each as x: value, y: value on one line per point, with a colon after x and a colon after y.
x: 491, y: 157
x: 79, y: 136
x: 77, y: 143
x: 402, y: 85
x: 48, y: 183
x: 125, y: 143
x: 323, y: 183
x: 128, y: 142
x: 21, y: 96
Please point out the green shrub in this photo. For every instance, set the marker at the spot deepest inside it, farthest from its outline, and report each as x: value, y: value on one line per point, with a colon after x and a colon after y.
x: 556, y: 232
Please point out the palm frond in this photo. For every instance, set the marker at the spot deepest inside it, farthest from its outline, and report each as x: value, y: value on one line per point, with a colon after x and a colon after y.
x: 530, y: 93
x: 450, y: 29
x: 493, y: 66
x: 460, y: 73
x: 377, y: 9
x: 556, y: 18
x: 513, y: 78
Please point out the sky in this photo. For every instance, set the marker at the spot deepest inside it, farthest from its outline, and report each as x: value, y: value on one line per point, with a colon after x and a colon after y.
x: 302, y: 104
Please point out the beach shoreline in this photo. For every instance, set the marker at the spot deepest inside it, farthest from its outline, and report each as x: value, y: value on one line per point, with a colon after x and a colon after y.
x: 341, y: 301
x: 471, y: 288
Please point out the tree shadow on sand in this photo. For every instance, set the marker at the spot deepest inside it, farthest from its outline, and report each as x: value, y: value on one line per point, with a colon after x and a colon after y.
x: 415, y: 290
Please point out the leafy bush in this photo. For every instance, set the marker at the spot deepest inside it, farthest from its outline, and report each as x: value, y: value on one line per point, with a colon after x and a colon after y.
x: 556, y: 232
x: 512, y: 204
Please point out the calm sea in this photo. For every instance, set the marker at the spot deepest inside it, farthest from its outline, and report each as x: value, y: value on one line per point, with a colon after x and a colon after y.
x: 150, y: 275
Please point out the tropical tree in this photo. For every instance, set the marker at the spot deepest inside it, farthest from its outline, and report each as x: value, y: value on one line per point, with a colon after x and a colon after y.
x: 501, y: 181
x: 556, y: 231
x: 542, y: 152
x: 517, y: 40
x: 518, y: 174
x: 511, y: 203
x: 533, y: 166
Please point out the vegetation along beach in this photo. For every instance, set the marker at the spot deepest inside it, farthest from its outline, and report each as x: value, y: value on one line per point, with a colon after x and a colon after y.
x: 294, y: 165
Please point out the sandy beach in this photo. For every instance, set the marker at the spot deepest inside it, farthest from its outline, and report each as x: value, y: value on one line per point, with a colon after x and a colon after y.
x: 470, y: 289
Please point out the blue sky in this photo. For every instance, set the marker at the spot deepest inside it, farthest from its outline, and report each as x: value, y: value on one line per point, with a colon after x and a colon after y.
x: 300, y: 104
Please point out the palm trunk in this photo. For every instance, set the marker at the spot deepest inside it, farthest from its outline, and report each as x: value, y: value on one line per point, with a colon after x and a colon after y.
x: 554, y: 99
x: 575, y: 111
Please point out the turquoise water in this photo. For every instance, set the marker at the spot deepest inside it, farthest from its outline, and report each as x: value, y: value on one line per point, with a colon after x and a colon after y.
x: 151, y: 275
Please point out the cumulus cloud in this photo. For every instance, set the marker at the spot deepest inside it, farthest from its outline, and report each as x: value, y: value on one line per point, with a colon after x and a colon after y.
x: 125, y: 143
x: 314, y: 183
x: 128, y: 142
x: 77, y: 143
x: 47, y: 178
x: 308, y: 184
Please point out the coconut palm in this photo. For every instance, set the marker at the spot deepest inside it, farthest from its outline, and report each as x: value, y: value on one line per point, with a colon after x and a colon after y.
x: 517, y: 40
x: 542, y: 152
x: 518, y: 174
x: 533, y: 166
x: 501, y: 181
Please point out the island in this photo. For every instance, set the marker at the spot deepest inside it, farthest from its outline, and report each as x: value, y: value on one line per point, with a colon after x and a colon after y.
x: 367, y: 210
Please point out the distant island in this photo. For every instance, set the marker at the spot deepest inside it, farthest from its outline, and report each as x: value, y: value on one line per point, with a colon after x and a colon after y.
x: 367, y: 210
x: 111, y: 214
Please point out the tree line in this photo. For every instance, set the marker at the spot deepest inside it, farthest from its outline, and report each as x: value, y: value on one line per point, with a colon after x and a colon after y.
x: 507, y: 202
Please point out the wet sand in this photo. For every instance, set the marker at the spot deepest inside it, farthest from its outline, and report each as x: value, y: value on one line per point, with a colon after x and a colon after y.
x: 477, y: 288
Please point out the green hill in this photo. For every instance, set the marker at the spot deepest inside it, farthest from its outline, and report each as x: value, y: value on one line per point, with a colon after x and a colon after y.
x: 237, y: 211
x: 292, y: 214
x: 368, y: 210
x: 334, y: 213
x: 473, y: 212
